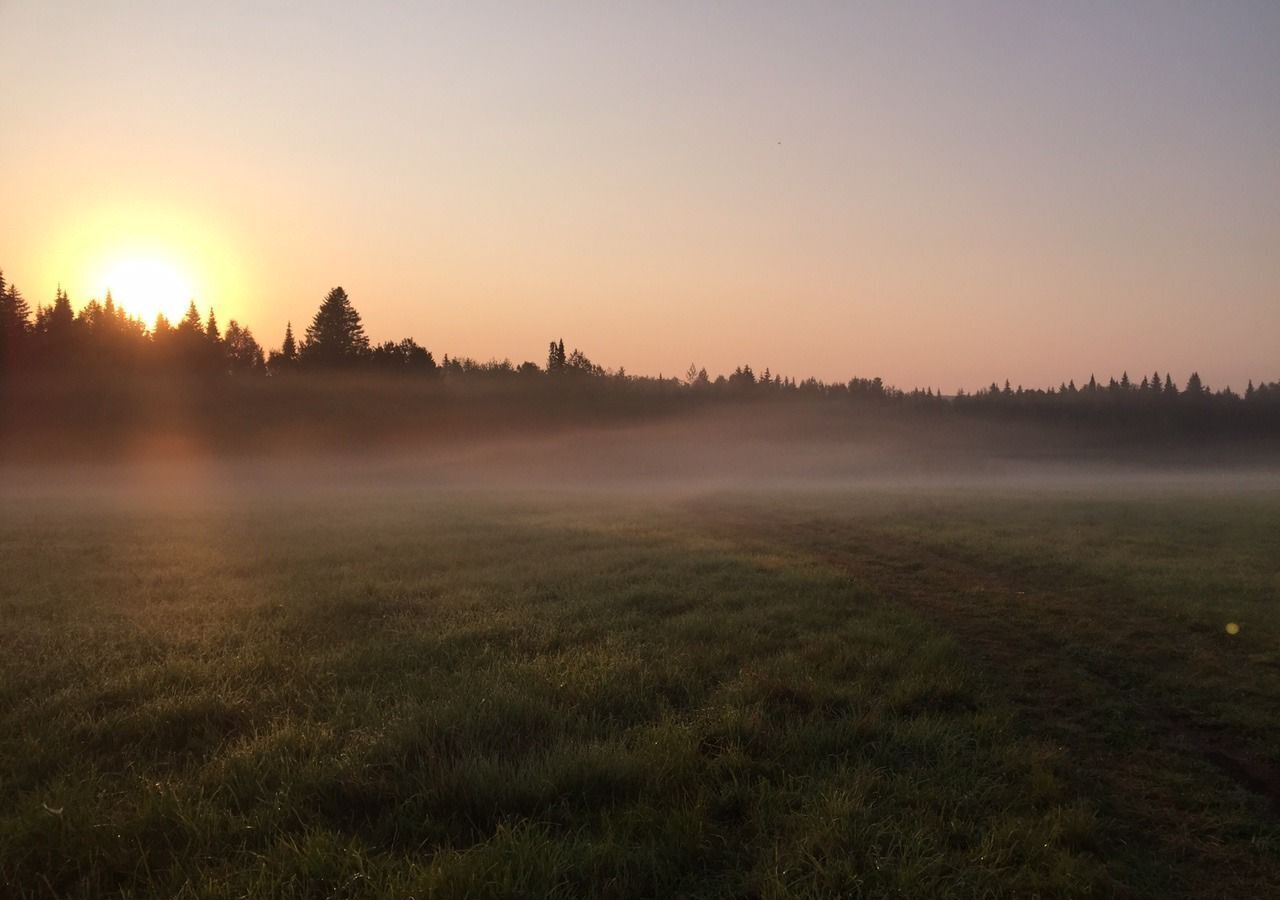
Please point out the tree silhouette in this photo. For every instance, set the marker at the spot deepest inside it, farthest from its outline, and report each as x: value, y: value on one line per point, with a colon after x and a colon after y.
x: 287, y: 356
x: 578, y: 364
x: 15, y: 326
x: 190, y: 323
x: 335, y: 336
x: 556, y: 359
x: 102, y: 340
x: 243, y: 354
x: 405, y: 356
x: 55, y: 331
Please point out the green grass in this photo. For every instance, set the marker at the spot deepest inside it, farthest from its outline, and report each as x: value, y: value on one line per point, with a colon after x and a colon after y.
x: 434, y: 694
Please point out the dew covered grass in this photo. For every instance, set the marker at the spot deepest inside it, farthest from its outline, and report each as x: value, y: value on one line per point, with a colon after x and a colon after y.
x: 812, y: 694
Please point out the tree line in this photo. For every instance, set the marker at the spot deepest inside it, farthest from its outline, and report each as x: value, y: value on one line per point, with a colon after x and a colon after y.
x: 102, y: 338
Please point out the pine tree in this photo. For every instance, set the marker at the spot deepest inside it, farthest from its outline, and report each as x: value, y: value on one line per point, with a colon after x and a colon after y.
x: 335, y: 336
x: 556, y: 359
x: 15, y: 312
x: 190, y: 323
x: 287, y: 356
x: 15, y: 325
x: 211, y: 328
x: 56, y: 327
x: 61, y: 319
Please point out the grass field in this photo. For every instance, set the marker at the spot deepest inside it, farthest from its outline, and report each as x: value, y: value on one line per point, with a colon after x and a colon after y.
x: 842, y: 693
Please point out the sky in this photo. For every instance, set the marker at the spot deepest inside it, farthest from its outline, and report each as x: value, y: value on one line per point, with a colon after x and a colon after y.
x: 941, y: 194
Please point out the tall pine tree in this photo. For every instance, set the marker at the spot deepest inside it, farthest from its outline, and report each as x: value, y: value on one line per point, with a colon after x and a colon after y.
x: 335, y: 336
x: 15, y: 325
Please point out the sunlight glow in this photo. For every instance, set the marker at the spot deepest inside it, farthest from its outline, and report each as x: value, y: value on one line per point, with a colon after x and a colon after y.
x: 152, y: 258
x: 147, y: 286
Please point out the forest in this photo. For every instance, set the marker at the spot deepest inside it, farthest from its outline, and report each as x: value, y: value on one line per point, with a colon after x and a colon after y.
x: 102, y: 341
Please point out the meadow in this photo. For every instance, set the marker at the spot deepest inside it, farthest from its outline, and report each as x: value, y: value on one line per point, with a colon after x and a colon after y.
x: 914, y: 691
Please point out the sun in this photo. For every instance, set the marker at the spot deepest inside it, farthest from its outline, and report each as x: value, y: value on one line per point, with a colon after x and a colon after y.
x: 148, y: 286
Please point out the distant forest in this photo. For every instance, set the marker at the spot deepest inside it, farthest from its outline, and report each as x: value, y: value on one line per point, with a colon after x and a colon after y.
x: 102, y: 341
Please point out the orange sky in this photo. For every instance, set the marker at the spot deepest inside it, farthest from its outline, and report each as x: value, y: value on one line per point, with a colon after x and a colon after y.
x: 938, y: 194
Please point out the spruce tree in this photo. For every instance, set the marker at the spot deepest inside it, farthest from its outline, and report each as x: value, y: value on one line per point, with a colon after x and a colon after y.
x: 61, y: 319
x: 335, y: 336
x: 190, y: 323
x: 287, y: 356
x: 15, y: 325
x: 15, y: 312
x: 56, y: 327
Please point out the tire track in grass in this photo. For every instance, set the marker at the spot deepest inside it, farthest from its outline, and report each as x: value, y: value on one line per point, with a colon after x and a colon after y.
x: 1162, y: 777
x: 1193, y: 729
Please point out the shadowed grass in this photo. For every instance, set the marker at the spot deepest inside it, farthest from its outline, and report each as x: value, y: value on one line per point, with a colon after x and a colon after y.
x: 438, y: 695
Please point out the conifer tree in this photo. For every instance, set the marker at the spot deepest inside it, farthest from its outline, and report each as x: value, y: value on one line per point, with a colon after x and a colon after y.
x: 61, y: 319
x: 335, y: 336
x: 287, y: 356
x: 190, y: 323
x: 15, y: 312
x: 556, y: 359
x: 55, y: 327
x: 15, y: 325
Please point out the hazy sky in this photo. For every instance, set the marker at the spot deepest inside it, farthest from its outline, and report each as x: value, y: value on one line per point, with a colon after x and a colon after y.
x: 941, y: 194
